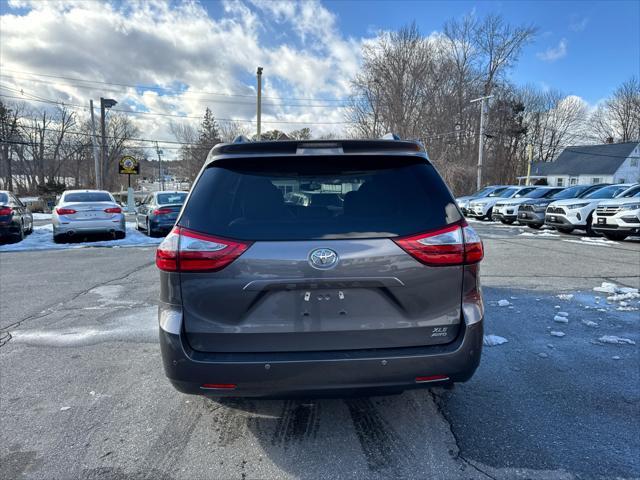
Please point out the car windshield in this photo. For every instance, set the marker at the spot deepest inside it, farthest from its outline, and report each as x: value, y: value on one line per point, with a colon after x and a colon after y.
x: 571, y: 192
x: 87, y: 197
x: 497, y: 192
x: 483, y: 192
x: 4, y: 198
x: 171, y: 198
x: 631, y: 192
x: 607, y: 192
x: 508, y: 193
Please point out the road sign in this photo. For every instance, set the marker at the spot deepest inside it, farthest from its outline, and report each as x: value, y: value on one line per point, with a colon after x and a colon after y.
x: 128, y: 166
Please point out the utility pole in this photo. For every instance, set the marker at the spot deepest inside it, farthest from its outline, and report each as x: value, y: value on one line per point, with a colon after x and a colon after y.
x: 483, y: 107
x: 96, y: 159
x: 160, y: 176
x: 529, y: 161
x: 259, y: 105
x: 104, y: 104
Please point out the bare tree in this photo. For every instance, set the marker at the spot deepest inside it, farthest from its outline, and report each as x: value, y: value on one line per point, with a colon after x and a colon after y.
x: 10, y: 139
x: 619, y: 117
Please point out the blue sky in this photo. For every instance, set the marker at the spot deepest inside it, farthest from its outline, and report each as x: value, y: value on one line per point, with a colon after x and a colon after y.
x: 602, y: 38
x: 204, y: 53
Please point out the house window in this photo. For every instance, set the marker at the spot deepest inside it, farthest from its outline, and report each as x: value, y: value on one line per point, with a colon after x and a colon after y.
x: 634, y: 162
x: 596, y: 180
x: 573, y: 181
x: 560, y: 182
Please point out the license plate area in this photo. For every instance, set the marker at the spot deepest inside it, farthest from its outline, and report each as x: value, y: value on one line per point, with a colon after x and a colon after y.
x: 602, y: 221
x: 553, y: 218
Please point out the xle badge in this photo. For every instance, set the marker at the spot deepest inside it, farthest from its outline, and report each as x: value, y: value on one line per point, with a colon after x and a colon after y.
x: 439, y: 332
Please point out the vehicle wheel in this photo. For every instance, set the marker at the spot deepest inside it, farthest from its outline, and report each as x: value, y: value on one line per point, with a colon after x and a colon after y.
x: 20, y: 235
x: 535, y: 226
x: 150, y: 232
x: 589, y: 229
x: 506, y: 221
x: 488, y: 215
x: 615, y: 235
x: 58, y: 239
x: 120, y: 235
x: 564, y: 230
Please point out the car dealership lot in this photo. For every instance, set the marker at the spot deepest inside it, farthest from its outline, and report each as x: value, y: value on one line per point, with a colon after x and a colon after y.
x: 84, y: 395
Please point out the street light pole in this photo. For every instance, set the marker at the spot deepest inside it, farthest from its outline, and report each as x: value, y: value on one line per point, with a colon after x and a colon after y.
x: 259, y: 105
x: 96, y: 160
x: 482, y: 101
x: 104, y: 104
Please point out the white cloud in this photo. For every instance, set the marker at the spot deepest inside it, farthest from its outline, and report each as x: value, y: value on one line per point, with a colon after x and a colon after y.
x: 552, y: 54
x: 158, y: 43
x: 578, y: 23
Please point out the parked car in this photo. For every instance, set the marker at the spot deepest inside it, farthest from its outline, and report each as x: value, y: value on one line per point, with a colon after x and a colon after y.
x: 568, y: 215
x: 16, y: 220
x: 264, y: 298
x: 482, y: 208
x: 87, y: 212
x: 618, y: 218
x: 489, y: 191
x: 506, y: 211
x: 158, y: 211
x: 532, y: 211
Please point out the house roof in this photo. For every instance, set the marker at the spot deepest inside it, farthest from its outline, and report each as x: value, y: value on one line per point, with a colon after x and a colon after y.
x: 603, y: 159
x: 539, y: 169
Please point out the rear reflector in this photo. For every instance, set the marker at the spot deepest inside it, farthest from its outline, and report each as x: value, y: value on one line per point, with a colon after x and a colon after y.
x: 65, y: 211
x: 452, y: 245
x: 185, y: 250
x: 432, y: 378
x: 219, y: 386
x: 113, y: 210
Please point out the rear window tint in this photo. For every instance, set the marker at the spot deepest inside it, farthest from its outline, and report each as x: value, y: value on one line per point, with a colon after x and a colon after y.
x: 167, y: 198
x: 88, y: 197
x: 319, y: 198
x: 4, y: 198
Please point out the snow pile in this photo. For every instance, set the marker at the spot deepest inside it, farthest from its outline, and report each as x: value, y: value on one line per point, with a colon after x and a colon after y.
x: 565, y: 296
x: 613, y: 340
x: 541, y: 234
x: 503, y: 303
x: 589, y: 323
x: 618, y: 294
x: 41, y: 216
x: 560, y: 318
x: 557, y: 334
x: 493, y: 340
x: 42, y: 239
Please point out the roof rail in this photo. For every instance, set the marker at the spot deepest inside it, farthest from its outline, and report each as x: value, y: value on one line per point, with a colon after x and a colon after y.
x: 390, y: 136
x: 241, y: 139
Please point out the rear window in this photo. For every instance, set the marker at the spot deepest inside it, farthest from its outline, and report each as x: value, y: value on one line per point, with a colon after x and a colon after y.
x: 88, y: 197
x: 606, y: 192
x: 319, y: 198
x: 4, y: 198
x: 168, y: 198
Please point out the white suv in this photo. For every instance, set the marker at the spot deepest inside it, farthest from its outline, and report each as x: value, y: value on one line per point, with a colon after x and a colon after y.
x: 483, y: 207
x: 618, y: 218
x: 567, y: 215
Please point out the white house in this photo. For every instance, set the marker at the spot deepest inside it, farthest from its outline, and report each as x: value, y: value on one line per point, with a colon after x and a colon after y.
x: 587, y: 164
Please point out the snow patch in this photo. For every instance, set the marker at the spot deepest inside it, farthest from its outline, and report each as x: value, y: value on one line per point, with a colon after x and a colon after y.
x: 565, y: 296
x: 41, y: 216
x: 560, y: 319
x: 493, y: 340
x: 503, y: 303
x: 557, y: 334
x: 614, y: 340
x: 589, y: 323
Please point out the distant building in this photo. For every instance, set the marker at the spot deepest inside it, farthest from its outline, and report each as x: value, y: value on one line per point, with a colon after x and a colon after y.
x: 587, y: 164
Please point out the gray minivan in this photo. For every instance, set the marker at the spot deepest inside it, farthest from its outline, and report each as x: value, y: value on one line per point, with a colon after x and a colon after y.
x: 374, y: 288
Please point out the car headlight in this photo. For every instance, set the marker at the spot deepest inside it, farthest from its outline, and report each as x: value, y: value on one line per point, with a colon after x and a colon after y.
x: 577, y: 205
x: 631, y: 206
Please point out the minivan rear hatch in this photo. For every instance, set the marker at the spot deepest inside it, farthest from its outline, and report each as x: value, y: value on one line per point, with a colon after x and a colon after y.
x: 322, y: 267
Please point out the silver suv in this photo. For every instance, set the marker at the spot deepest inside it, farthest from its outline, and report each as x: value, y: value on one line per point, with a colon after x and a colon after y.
x: 373, y: 285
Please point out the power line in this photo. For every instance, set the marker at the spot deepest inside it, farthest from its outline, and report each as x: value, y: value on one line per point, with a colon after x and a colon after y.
x: 168, y: 89
x: 133, y: 112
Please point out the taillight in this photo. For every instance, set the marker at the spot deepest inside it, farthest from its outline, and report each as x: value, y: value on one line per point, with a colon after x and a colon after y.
x: 65, y: 211
x: 4, y: 211
x: 162, y: 211
x: 451, y: 245
x: 113, y: 210
x: 184, y: 250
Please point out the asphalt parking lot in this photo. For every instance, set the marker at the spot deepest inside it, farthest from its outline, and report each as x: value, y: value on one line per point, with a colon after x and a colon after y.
x: 83, y: 393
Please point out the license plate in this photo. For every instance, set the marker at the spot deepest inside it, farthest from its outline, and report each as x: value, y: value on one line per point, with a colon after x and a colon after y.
x: 602, y: 221
x: 553, y: 219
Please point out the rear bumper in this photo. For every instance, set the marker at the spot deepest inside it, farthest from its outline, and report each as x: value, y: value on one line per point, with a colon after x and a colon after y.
x: 313, y: 373
x: 89, y: 226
